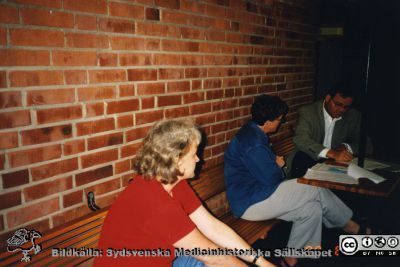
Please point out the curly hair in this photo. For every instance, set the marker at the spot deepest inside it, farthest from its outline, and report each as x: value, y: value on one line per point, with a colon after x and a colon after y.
x: 166, y: 142
x: 266, y: 107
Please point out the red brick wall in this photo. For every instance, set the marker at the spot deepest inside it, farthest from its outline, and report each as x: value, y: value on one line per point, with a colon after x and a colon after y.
x: 81, y: 82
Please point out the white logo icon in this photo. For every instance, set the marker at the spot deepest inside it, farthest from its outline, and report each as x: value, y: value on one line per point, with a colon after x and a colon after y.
x: 24, y: 240
x: 348, y: 245
x: 392, y: 242
x: 367, y: 242
x: 380, y: 242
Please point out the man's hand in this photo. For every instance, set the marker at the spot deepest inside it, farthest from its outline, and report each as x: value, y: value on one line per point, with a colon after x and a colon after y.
x: 340, y: 155
x: 280, y: 161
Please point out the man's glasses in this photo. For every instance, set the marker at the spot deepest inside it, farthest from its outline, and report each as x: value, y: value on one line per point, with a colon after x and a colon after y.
x: 338, y: 104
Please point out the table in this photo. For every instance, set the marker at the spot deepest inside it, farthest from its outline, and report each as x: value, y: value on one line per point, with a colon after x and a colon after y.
x: 365, y: 186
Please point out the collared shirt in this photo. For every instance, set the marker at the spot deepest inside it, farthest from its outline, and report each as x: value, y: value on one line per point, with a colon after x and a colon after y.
x: 329, y: 127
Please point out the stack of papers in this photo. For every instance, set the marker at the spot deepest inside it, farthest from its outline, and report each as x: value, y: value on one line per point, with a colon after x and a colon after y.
x: 339, y: 174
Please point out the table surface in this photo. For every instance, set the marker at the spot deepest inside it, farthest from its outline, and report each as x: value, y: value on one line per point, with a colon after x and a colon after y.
x: 365, y: 186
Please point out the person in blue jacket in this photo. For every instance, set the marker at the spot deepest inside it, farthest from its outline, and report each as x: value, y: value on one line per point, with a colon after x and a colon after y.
x: 256, y: 188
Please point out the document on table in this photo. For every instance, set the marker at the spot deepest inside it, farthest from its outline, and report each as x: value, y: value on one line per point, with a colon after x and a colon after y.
x: 325, y: 172
x: 339, y: 174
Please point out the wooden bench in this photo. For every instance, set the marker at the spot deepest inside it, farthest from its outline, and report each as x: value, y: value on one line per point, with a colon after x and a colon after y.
x: 84, y: 232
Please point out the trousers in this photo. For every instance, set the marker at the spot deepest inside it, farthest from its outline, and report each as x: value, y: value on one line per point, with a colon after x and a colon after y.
x: 304, y: 205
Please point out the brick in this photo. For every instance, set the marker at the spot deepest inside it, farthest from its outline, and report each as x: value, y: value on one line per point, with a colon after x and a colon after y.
x: 127, y: 90
x: 174, y: 4
x: 69, y: 215
x: 156, y: 30
x: 74, y: 147
x: 15, y: 119
x: 127, y: 43
x: 13, y: 57
x: 10, y: 99
x: 193, y: 97
x: 200, y: 109
x: 93, y: 175
x: 116, y: 26
x: 47, y: 188
x: 137, y: 133
x: 30, y: 156
x: 94, y: 109
x: 167, y: 59
x: 107, y: 59
x: 107, y: 76
x: 105, y: 187
x: 190, y: 33
x: 192, y: 60
x: 30, y: 37
x: 48, y: 3
x: 99, y: 158
x: 125, y: 121
x: 96, y: 93
x: 129, y: 150
x: 126, y: 10
x: 169, y: 100
x: 105, y: 140
x: 3, y: 36
x: 147, y: 117
x: 195, y: 73
x: 152, y: 44
x: 91, y: 127
x: 169, y: 74
x: 87, y: 40
x: 174, y: 87
x: 135, y: 59
x: 148, y: 102
x: 75, y: 76
x: 8, y: 14
x: 8, y: 140
x: 47, y: 134
x: 151, y: 88
x: 142, y: 74
x: 52, y: 96
x: 122, y: 166
x: 85, y: 22
x: 2, y: 161
x: 53, y: 169
x: 35, y: 78
x: 59, y: 114
x: 68, y: 58
x: 31, y: 212
x: 176, y: 112
x: 10, y: 199
x: 152, y: 14
x: 107, y: 200
x: 48, y: 18
x: 122, y: 106
x: 174, y: 17
x: 13, y: 179
x: 90, y: 6
x: 73, y: 198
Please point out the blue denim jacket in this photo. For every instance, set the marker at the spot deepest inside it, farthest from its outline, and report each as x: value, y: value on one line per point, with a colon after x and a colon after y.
x: 251, y: 173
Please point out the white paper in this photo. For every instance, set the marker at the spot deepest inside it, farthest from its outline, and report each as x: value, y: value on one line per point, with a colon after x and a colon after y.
x: 325, y: 172
x: 358, y: 172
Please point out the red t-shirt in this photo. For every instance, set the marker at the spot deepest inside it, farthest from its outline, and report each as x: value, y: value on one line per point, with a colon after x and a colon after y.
x: 146, y: 219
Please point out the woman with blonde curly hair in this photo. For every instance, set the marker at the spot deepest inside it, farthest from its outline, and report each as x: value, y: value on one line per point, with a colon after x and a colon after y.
x: 158, y: 211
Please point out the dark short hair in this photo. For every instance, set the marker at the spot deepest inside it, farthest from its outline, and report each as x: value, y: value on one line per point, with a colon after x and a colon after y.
x: 342, y: 89
x: 267, y: 108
